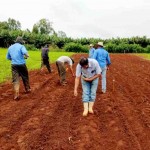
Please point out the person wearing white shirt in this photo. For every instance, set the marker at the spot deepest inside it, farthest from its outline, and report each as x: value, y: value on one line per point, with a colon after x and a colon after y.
x: 61, y: 63
x: 89, y: 71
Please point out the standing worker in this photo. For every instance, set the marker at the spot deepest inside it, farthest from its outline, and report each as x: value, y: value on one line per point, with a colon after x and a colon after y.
x: 45, y: 58
x: 60, y: 63
x: 89, y: 71
x: 91, y: 51
x: 102, y: 56
x: 17, y: 53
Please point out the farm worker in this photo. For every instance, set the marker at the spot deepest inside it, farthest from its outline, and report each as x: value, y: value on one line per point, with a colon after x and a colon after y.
x: 102, y: 56
x: 61, y: 62
x: 91, y: 51
x: 17, y: 53
x: 89, y: 71
x: 45, y: 58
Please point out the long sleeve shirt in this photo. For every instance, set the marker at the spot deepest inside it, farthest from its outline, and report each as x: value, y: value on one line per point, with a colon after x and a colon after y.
x: 44, y: 53
x: 102, y: 56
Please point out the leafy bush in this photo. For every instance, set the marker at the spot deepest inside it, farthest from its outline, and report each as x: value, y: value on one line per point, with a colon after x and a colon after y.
x: 75, y: 47
x: 135, y: 48
x: 110, y: 47
x: 147, y: 49
x: 31, y: 47
x: 124, y: 48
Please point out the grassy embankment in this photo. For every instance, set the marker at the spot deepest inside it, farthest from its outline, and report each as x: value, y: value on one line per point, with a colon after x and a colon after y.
x: 145, y: 56
x: 33, y: 62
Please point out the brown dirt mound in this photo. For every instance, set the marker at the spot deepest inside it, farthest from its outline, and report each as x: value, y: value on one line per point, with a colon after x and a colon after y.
x: 50, y: 117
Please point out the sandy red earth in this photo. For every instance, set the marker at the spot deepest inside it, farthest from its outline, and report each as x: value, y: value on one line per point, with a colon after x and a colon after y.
x: 50, y: 117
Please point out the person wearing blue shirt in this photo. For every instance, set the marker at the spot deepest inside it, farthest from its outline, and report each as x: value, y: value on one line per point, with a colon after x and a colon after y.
x: 89, y: 71
x: 102, y: 56
x: 91, y: 51
x: 17, y: 54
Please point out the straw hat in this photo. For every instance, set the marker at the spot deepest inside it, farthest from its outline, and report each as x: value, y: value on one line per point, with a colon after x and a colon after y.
x: 100, y: 43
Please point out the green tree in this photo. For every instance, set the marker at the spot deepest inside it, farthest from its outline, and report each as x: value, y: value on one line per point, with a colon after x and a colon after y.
x: 35, y: 29
x: 4, y: 25
x: 61, y: 34
x: 13, y: 24
x: 44, y: 26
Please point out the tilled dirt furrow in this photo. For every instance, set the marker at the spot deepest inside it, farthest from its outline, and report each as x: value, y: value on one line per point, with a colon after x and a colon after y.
x: 24, y: 111
x: 56, y: 128
x: 50, y: 117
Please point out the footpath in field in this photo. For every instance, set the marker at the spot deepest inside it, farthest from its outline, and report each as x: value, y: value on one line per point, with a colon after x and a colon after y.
x: 50, y: 117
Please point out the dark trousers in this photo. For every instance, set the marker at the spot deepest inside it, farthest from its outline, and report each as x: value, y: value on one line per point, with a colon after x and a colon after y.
x: 46, y: 63
x: 20, y: 70
x: 61, y: 71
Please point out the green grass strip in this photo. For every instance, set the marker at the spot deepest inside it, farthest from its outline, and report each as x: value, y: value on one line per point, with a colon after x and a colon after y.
x: 145, y: 56
x: 33, y: 62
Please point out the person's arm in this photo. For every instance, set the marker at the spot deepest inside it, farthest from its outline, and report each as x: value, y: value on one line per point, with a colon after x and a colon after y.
x: 71, y: 71
x: 108, y: 61
x: 26, y: 55
x: 24, y: 52
x: 92, y: 78
x: 77, y: 79
x: 98, y: 73
x: 8, y: 56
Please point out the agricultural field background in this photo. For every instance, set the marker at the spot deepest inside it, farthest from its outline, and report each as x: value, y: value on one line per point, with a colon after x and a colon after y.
x: 33, y: 62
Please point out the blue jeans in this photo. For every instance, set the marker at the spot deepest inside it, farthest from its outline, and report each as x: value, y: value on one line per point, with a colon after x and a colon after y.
x: 89, y: 90
x: 104, y: 79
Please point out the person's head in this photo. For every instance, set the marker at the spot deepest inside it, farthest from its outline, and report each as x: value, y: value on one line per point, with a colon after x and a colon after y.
x: 95, y: 46
x: 20, y: 40
x: 100, y: 44
x: 84, y: 62
x: 72, y: 60
x: 46, y: 46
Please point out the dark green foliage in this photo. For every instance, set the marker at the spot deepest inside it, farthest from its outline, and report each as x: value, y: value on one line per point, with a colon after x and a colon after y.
x: 124, y: 48
x: 147, y: 49
x: 75, y: 47
x: 43, y: 33
x: 31, y: 47
x: 43, y: 26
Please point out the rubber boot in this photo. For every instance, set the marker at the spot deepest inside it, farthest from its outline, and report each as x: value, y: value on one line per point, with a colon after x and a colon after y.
x: 85, y: 112
x: 16, y: 91
x: 91, y: 104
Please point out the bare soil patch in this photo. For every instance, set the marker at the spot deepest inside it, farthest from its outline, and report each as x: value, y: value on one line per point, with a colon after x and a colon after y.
x: 50, y: 117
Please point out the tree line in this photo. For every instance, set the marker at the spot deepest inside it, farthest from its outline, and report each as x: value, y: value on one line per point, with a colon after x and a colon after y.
x: 43, y: 33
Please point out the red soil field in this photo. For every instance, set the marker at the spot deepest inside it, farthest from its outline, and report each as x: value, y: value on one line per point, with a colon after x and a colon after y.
x: 50, y: 117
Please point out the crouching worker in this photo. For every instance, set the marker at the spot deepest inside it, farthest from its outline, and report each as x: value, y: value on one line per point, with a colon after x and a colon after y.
x: 17, y: 53
x: 61, y: 64
x: 89, y: 71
